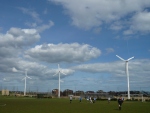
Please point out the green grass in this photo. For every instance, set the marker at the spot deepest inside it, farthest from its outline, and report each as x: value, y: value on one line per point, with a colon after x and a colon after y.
x: 33, y: 105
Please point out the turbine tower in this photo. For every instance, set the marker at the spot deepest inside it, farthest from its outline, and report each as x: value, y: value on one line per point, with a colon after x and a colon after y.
x: 25, y: 79
x: 59, y: 71
x: 127, y: 72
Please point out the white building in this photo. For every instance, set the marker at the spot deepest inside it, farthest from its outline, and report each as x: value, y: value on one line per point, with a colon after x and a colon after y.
x: 5, y: 92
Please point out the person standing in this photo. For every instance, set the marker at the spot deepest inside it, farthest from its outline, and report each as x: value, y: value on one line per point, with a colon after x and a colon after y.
x: 80, y: 99
x: 91, y: 100
x: 108, y: 99
x: 94, y: 100
x: 70, y: 99
x: 120, y: 101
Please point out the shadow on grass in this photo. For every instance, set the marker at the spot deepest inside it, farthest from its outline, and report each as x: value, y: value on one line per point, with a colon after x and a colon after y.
x: 117, y: 109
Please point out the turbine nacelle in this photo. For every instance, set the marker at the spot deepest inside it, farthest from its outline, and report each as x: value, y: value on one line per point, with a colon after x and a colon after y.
x: 59, y: 71
x: 26, y: 77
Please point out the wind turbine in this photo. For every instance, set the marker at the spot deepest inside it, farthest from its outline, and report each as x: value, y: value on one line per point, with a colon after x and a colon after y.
x: 59, y: 71
x: 25, y: 79
x: 127, y: 72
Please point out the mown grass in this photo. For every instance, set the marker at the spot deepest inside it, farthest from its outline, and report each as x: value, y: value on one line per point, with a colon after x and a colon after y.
x: 33, y: 105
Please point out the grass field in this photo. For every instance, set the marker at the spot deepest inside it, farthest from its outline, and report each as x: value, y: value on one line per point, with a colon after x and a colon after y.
x: 55, y: 105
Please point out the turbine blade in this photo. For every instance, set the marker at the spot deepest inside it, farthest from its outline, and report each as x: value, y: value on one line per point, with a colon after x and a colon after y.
x: 56, y: 73
x: 29, y: 77
x: 63, y: 73
x: 130, y: 58
x: 23, y: 78
x: 120, y: 58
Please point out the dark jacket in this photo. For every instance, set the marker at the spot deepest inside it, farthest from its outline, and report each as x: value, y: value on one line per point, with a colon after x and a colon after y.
x: 120, y: 101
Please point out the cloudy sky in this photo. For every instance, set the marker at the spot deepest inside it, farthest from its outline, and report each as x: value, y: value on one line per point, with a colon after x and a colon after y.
x: 82, y: 36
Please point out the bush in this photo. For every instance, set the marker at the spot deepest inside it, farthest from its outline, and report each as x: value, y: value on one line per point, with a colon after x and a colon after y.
x: 135, y: 99
x: 147, y: 100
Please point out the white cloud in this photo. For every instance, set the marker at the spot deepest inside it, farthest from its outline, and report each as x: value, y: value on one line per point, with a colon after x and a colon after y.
x: 37, y: 19
x: 93, y: 13
x: 138, y: 69
x: 109, y: 50
x: 14, y: 69
x: 15, y: 39
x: 33, y: 25
x: 19, y: 37
x: 8, y: 51
x: 140, y: 22
x: 73, y: 52
x: 128, y: 32
x: 103, y: 68
x: 14, y: 42
x: 4, y: 78
x: 44, y: 27
x: 31, y: 13
x: 118, y: 25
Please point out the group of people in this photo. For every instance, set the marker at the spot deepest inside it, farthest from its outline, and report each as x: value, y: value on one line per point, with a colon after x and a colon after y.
x: 92, y: 100
x: 80, y: 99
x: 120, y: 100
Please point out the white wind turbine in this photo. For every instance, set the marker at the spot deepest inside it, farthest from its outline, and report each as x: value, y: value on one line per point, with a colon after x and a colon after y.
x: 25, y: 79
x: 127, y: 72
x: 59, y: 71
